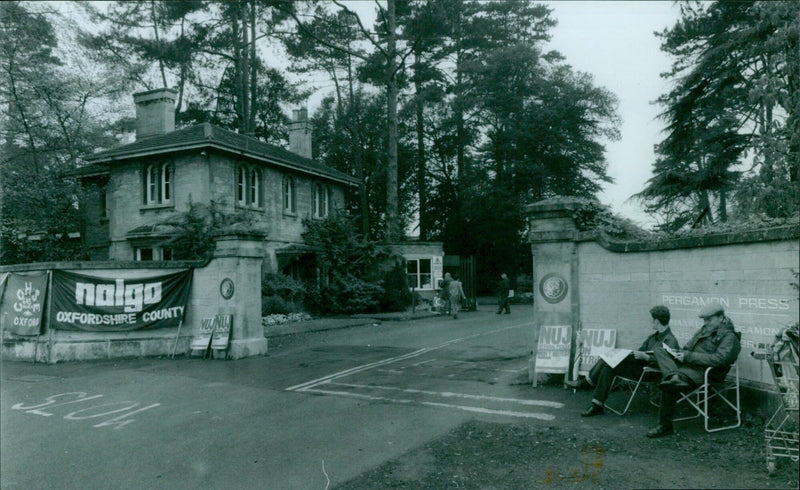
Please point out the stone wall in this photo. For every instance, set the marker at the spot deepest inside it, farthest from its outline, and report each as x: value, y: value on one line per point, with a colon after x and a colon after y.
x: 613, y: 284
x: 238, y: 258
x: 750, y: 280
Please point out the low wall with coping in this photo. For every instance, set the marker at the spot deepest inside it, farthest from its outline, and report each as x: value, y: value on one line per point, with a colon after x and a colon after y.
x: 237, y: 258
x: 609, y: 284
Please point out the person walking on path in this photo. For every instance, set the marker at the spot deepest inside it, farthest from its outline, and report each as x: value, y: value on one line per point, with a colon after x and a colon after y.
x: 444, y: 294
x: 601, y: 375
x: 715, y: 345
x: 502, y: 294
x: 456, y: 296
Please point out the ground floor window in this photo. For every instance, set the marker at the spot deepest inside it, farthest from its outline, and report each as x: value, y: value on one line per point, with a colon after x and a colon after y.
x: 419, y: 273
x: 152, y: 253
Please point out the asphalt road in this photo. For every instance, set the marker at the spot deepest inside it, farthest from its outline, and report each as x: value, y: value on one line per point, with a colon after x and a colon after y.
x: 317, y: 411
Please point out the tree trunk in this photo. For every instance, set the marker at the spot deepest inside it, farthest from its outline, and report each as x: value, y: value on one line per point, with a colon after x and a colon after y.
x: 355, y: 111
x: 245, y: 65
x: 392, y: 228
x: 422, y: 191
x: 253, y: 69
x: 158, y: 43
x: 237, y: 72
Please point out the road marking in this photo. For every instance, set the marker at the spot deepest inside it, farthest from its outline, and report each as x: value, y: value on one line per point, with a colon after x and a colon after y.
x: 416, y: 353
x: 466, y: 408
x: 420, y: 363
x: 50, y: 403
x: 447, y: 394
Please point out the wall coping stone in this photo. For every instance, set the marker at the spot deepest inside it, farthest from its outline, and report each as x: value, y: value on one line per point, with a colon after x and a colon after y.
x: 786, y: 232
x: 105, y: 264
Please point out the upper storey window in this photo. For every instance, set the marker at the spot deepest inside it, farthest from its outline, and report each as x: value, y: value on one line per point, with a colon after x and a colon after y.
x: 249, y: 186
x: 157, y: 183
x: 289, y: 195
x: 322, y: 200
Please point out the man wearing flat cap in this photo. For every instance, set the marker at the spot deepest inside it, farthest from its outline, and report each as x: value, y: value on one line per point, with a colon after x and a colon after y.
x: 716, y: 345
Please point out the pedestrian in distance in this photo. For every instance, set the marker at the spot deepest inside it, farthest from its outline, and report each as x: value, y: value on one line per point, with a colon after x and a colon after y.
x: 601, y: 375
x: 456, y: 296
x: 502, y: 294
x: 444, y: 293
x: 715, y: 345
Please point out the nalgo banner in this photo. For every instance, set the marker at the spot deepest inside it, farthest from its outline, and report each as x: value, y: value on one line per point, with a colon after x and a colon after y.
x: 100, y: 304
x: 22, y: 303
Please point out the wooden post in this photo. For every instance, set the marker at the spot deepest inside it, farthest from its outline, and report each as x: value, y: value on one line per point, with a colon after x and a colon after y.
x: 177, y: 336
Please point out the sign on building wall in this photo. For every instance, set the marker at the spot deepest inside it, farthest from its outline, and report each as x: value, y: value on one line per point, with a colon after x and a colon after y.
x: 437, y: 269
x: 22, y: 303
x: 595, y: 342
x: 759, y: 317
x: 552, y: 354
x: 100, y: 304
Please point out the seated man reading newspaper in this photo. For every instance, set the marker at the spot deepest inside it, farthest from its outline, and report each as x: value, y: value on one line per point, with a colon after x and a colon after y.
x: 715, y: 345
x: 602, y: 374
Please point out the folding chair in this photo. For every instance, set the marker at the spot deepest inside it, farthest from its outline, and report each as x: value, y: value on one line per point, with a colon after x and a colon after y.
x: 631, y: 386
x: 700, y: 397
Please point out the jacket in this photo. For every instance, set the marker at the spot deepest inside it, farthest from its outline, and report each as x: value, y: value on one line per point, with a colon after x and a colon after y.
x: 657, y: 338
x: 718, y: 348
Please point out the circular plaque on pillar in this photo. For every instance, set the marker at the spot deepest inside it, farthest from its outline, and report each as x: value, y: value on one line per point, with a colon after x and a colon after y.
x: 553, y: 288
x: 226, y: 288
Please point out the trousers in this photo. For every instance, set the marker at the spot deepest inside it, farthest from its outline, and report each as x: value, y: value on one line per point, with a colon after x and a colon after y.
x: 602, y: 375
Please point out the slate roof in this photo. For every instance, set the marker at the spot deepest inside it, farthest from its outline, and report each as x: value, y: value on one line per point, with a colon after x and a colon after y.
x: 206, y: 135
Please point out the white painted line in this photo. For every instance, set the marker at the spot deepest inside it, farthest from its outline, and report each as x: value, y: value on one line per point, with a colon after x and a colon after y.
x: 420, y: 363
x: 357, y: 369
x: 390, y: 360
x: 466, y: 408
x: 447, y: 394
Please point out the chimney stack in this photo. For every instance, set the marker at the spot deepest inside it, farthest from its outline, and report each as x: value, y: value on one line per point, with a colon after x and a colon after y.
x: 155, y: 112
x: 300, y: 133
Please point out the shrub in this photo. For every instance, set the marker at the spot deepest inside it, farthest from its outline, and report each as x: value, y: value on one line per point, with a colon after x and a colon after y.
x: 362, y: 276
x: 271, y: 305
x: 284, y: 287
x: 396, y: 296
x: 344, y: 296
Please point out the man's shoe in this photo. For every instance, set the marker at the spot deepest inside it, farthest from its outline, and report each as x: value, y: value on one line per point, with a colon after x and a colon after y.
x: 660, y: 431
x: 594, y: 409
x: 674, y: 383
x: 578, y: 384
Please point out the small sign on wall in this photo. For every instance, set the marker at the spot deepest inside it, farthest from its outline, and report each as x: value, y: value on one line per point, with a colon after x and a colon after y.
x: 222, y: 333
x: 202, y: 338
x: 594, y: 343
x: 553, y: 352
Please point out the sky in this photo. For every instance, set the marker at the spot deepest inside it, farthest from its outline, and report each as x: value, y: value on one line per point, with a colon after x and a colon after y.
x: 614, y: 41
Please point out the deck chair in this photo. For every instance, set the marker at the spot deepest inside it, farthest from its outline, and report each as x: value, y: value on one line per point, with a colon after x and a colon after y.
x: 629, y: 388
x: 726, y: 391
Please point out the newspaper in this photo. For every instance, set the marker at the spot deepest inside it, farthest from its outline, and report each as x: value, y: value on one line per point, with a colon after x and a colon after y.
x: 614, y: 356
x: 669, y: 349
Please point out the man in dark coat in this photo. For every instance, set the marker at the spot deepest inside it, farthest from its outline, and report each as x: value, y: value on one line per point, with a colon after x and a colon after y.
x: 502, y: 294
x: 601, y: 375
x: 716, y: 345
x: 444, y: 293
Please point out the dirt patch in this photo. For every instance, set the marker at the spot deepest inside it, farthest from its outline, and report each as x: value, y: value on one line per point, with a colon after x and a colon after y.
x: 490, y: 455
